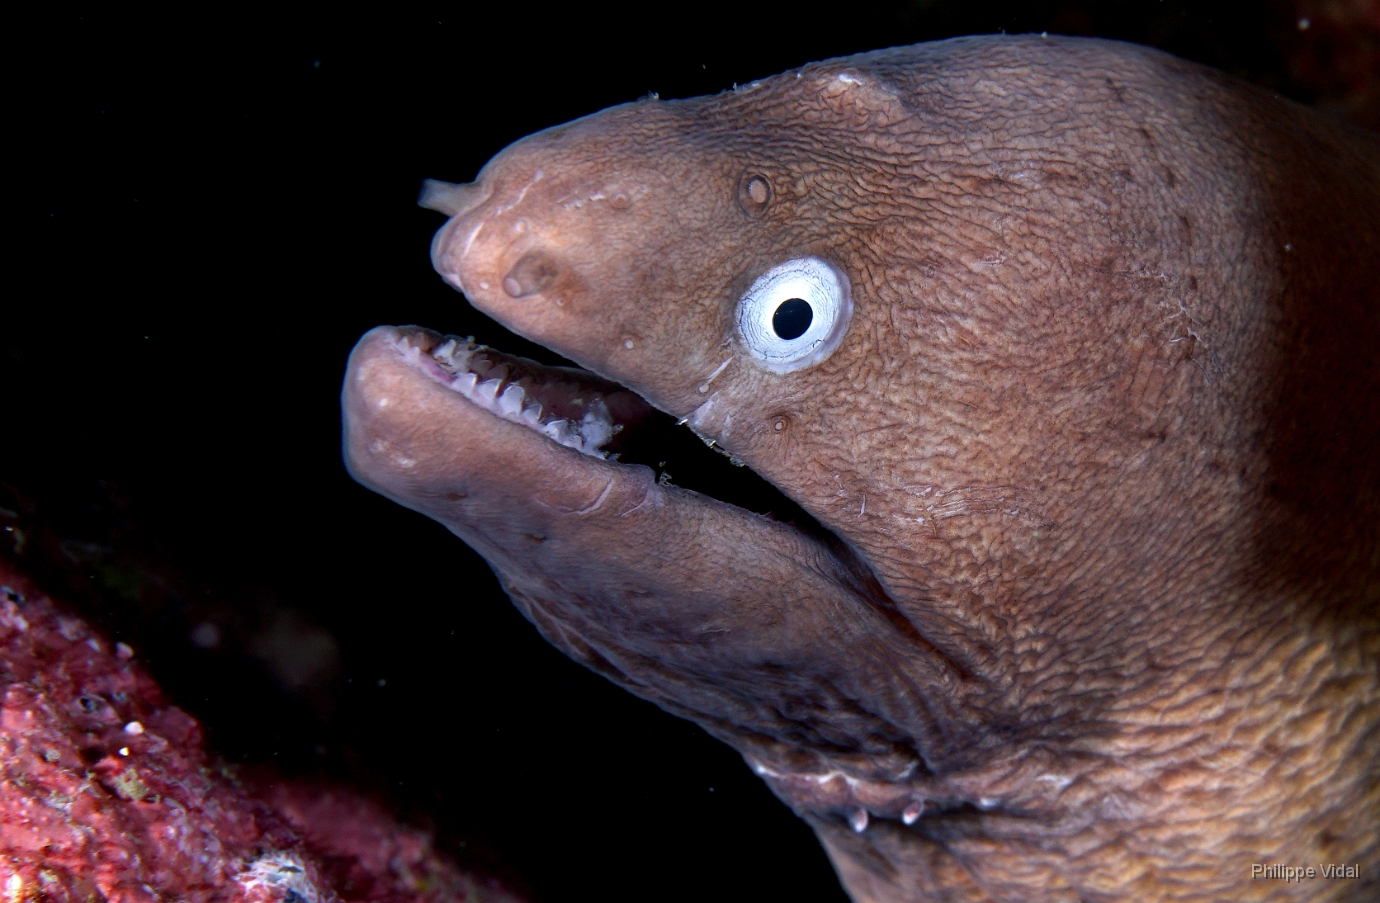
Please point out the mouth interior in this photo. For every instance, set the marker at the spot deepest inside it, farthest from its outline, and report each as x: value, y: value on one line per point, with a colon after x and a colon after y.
x: 594, y: 416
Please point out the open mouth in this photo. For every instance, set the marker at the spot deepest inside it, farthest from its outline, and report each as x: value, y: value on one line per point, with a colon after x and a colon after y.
x: 589, y: 415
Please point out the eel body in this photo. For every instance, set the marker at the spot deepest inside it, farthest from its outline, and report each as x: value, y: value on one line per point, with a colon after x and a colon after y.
x: 1066, y: 350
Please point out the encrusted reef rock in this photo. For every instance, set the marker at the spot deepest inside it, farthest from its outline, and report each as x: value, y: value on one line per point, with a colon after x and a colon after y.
x: 106, y: 793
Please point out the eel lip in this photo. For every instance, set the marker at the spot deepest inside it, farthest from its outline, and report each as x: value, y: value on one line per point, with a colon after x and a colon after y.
x: 421, y: 408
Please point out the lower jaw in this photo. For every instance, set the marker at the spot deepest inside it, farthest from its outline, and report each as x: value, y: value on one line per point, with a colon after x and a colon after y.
x: 590, y: 415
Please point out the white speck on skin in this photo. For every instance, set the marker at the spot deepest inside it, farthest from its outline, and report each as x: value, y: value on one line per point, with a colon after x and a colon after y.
x: 628, y: 344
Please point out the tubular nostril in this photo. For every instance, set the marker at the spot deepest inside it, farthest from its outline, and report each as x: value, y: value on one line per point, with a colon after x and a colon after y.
x: 533, y: 273
x: 450, y: 198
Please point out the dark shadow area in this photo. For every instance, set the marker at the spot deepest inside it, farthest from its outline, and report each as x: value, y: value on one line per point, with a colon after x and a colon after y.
x: 1320, y: 533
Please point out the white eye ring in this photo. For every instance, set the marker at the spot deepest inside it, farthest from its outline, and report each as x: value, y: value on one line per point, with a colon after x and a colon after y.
x: 783, y: 334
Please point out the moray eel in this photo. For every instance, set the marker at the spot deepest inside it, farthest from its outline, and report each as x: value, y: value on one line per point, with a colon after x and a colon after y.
x: 1067, y: 352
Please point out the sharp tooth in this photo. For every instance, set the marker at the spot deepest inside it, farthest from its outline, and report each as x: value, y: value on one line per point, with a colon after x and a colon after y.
x: 466, y: 382
x: 532, y: 415
x: 452, y: 356
x: 487, y: 390
x: 511, y: 400
x: 558, y: 430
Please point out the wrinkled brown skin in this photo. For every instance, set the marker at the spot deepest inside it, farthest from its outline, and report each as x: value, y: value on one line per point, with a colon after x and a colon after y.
x: 1101, y: 446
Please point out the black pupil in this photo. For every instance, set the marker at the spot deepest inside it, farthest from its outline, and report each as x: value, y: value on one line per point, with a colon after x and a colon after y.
x: 792, y: 318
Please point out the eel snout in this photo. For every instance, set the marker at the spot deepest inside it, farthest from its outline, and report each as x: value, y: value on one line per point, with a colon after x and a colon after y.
x: 463, y: 202
x: 550, y: 241
x: 488, y: 246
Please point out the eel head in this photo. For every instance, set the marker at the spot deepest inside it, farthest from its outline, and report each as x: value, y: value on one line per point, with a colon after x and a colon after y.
x: 990, y: 578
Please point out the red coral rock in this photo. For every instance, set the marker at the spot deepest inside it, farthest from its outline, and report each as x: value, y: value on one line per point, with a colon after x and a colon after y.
x: 107, y: 794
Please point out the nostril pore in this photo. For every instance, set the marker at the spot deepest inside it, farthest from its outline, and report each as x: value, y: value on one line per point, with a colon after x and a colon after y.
x: 533, y: 273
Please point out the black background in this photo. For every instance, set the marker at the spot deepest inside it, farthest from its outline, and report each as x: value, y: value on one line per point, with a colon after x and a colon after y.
x: 212, y: 207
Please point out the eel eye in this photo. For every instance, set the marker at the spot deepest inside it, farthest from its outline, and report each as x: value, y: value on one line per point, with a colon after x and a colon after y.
x: 794, y: 314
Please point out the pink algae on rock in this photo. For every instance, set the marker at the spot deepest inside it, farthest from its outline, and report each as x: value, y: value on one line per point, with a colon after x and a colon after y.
x: 107, y: 794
